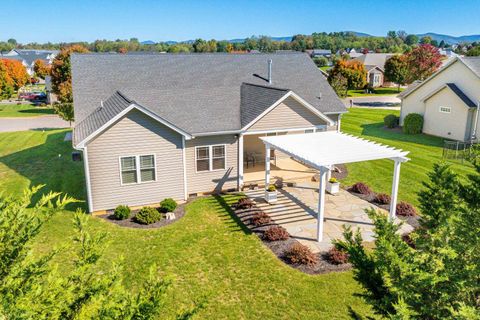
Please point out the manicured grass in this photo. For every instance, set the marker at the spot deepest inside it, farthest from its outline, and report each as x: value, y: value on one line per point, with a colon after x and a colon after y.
x: 211, y: 257
x: 378, y: 92
x: 424, y: 152
x: 23, y: 110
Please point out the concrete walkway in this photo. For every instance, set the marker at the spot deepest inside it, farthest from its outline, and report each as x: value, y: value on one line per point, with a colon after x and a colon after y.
x: 296, y: 211
x: 31, y: 123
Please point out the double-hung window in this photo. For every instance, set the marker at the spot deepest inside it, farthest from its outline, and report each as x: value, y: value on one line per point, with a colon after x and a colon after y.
x: 137, y: 169
x: 210, y: 158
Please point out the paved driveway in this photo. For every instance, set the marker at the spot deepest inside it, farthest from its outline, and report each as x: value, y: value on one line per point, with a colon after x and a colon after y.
x: 30, y: 123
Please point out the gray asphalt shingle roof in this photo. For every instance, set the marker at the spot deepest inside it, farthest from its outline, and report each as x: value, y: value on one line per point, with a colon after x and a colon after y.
x: 473, y: 63
x: 198, y: 92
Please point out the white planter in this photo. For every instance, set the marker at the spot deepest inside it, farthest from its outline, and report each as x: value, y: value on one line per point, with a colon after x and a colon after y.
x: 333, y: 188
x: 271, y: 196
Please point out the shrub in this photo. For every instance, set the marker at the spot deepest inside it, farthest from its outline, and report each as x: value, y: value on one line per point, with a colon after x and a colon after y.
x: 361, y: 188
x: 300, y: 254
x: 405, y: 209
x: 121, y: 212
x: 408, y: 240
x: 320, y: 61
x: 337, y: 256
x: 168, y: 205
x: 148, y: 215
x: 333, y: 180
x: 245, y: 203
x: 382, y: 198
x: 260, y: 218
x: 271, y: 188
x: 276, y: 233
x: 413, y: 123
x: 390, y: 121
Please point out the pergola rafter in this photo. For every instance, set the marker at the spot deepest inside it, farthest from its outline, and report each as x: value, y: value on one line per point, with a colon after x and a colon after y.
x: 323, y: 150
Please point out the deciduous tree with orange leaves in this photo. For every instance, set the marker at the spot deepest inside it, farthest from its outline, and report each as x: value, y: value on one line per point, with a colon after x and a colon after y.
x: 353, y: 71
x: 41, y: 68
x: 17, y: 75
x: 62, y: 74
x: 6, y: 83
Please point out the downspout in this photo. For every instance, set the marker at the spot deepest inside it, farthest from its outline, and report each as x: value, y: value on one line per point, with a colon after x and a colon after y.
x: 475, y: 123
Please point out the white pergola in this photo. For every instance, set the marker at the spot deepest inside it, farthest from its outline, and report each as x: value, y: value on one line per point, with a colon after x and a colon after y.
x: 323, y: 150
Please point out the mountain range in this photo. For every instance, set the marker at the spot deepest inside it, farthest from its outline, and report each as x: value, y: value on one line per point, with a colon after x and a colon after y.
x: 435, y: 36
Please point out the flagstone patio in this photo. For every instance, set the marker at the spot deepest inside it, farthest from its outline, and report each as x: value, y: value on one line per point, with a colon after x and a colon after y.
x: 296, y: 211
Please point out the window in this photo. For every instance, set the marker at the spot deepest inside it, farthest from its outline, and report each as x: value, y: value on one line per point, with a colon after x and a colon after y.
x: 445, y: 109
x: 271, y: 134
x: 137, y: 169
x: 309, y: 131
x: 210, y: 158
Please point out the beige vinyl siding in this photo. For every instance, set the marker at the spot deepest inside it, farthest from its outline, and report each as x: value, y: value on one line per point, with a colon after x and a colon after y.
x: 456, y: 73
x: 288, y: 114
x: 211, y: 181
x: 454, y: 125
x: 334, y: 118
x: 135, y: 134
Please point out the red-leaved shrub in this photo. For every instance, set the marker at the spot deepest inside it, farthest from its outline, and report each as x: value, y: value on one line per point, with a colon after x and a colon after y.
x: 276, y: 233
x: 245, y: 203
x: 260, y: 218
x: 337, y: 256
x: 382, y: 198
x: 361, y: 188
x: 405, y: 209
x: 300, y: 254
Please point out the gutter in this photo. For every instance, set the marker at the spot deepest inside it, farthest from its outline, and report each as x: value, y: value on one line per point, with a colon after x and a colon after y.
x: 475, y: 123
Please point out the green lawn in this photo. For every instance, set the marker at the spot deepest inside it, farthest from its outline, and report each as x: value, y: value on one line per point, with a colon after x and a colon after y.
x: 424, y: 152
x: 210, y: 256
x: 378, y: 92
x: 23, y: 110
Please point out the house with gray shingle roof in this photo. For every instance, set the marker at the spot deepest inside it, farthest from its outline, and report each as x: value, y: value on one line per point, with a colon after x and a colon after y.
x: 28, y: 57
x: 176, y: 125
x: 375, y: 66
x: 448, y: 100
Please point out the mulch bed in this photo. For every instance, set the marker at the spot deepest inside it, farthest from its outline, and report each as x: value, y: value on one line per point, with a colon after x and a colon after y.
x: 413, y: 221
x: 279, y: 247
x: 130, y: 222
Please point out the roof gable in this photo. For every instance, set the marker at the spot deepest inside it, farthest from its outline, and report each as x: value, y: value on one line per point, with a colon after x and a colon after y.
x: 456, y: 90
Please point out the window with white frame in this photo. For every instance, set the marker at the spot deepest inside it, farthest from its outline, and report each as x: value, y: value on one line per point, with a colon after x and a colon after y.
x: 443, y: 109
x: 210, y: 158
x: 137, y: 169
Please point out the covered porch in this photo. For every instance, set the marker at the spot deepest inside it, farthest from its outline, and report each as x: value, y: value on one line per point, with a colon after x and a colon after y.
x: 322, y: 151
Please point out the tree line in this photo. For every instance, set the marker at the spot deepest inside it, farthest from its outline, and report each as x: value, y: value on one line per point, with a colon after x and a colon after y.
x: 394, y: 41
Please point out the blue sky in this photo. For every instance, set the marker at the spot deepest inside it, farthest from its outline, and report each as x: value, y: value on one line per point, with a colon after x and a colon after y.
x: 182, y: 20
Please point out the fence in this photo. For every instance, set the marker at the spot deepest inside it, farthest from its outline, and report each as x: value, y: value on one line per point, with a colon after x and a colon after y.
x: 457, y: 150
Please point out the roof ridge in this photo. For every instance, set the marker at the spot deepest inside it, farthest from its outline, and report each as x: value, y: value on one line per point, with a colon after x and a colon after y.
x: 265, y: 86
x: 123, y: 96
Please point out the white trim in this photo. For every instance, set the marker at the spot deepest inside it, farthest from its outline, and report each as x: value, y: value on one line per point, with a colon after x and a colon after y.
x: 339, y: 122
x: 138, y: 168
x: 215, y: 133
x: 240, y: 162
x: 321, y: 203
x: 296, y: 97
x: 86, y: 167
x: 185, y: 187
x: 321, y: 126
x: 84, y: 142
x: 210, y: 157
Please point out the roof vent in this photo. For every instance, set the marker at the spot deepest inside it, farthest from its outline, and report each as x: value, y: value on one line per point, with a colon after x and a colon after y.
x: 270, y: 71
x: 320, y: 95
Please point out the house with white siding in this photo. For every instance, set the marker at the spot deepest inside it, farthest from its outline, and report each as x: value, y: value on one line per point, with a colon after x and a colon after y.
x: 178, y: 125
x: 448, y: 100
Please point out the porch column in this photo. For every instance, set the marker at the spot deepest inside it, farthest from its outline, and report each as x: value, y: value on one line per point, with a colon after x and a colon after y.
x: 267, y: 165
x: 321, y: 203
x: 240, y: 162
x: 396, y: 179
x: 329, y: 173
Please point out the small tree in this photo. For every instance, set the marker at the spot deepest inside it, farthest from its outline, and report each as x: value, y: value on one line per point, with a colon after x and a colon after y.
x: 41, y: 69
x: 320, y: 61
x: 339, y: 84
x: 422, y: 62
x: 16, y: 72
x: 437, y: 276
x: 353, y: 71
x: 65, y: 111
x: 396, y: 70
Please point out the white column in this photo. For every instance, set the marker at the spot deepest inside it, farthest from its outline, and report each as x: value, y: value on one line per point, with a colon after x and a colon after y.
x: 329, y: 173
x: 240, y: 162
x: 321, y: 204
x: 267, y: 165
x: 396, y: 179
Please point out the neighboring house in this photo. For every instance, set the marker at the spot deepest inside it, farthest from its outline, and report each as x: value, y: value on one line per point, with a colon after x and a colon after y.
x: 321, y: 53
x: 28, y: 57
x: 375, y: 66
x: 176, y: 125
x: 448, y: 100
x: 51, y: 97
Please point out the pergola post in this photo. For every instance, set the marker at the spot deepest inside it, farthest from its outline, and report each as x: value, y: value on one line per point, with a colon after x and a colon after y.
x: 240, y: 162
x: 267, y: 165
x: 321, y: 203
x: 396, y: 179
